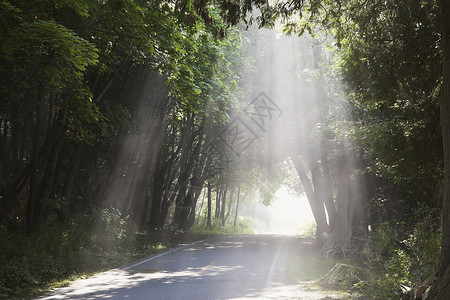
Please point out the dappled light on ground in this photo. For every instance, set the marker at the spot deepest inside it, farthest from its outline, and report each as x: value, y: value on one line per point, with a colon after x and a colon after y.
x: 302, y: 292
x: 239, y: 267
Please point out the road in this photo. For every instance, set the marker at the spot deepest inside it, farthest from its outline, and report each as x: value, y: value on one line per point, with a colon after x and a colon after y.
x: 233, y: 267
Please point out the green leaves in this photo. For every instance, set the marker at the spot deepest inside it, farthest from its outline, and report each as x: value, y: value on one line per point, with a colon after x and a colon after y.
x: 45, y: 58
x: 50, y: 51
x: 202, y: 71
x: 391, y: 65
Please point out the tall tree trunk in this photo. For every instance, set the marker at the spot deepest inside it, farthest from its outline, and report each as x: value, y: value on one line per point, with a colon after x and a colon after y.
x: 12, y: 195
x: 237, y: 207
x: 218, y: 194
x: 328, y: 195
x: 323, y: 193
x: 208, y: 222
x: 162, y: 181
x: 70, y: 182
x: 157, y: 199
x: 350, y: 194
x: 35, y: 172
x: 32, y: 174
x: 46, y: 184
x: 15, y: 132
x: 343, y: 230
x: 441, y: 289
x: 197, y: 183
x: 200, y: 209
x: 229, y: 205
x: 222, y: 209
x: 183, y: 199
x: 317, y: 206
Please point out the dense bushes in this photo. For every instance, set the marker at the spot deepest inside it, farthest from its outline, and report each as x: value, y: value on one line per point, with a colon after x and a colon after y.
x: 399, y: 255
x: 54, y: 251
x: 90, y: 243
x: 405, y: 263
x: 244, y: 225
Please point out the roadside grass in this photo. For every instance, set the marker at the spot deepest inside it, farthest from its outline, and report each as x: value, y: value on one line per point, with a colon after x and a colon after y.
x: 146, y: 244
x: 312, y: 268
x: 305, y: 268
x: 244, y: 225
x: 57, y: 254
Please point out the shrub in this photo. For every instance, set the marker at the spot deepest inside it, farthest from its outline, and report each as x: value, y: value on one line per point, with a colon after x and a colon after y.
x: 110, y: 229
x: 308, y: 230
x: 397, y: 261
x: 57, y: 250
x: 244, y: 225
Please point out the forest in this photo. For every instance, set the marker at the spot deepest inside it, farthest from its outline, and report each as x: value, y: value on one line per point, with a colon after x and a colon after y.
x: 126, y: 120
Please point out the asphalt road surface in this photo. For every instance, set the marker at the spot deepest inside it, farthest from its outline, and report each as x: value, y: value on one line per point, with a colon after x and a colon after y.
x: 234, y: 267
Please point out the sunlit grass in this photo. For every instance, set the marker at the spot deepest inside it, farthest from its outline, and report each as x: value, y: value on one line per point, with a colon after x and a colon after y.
x: 104, y: 261
x: 310, y: 268
x: 58, y: 254
x: 243, y: 226
x: 99, y: 262
x: 305, y: 268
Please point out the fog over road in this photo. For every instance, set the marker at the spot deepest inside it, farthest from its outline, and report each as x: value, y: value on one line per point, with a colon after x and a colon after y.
x: 233, y: 267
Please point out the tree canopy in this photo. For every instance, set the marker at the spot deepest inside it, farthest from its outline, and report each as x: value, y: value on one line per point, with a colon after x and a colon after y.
x: 130, y: 105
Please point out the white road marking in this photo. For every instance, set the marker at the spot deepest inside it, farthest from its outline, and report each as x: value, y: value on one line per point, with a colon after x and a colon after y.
x: 269, y: 280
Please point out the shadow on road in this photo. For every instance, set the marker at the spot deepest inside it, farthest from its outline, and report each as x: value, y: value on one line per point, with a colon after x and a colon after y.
x: 232, y: 267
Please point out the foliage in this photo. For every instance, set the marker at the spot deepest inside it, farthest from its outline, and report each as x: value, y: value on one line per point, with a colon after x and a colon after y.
x: 55, y: 251
x: 203, y: 71
x: 71, y: 74
x: 64, y: 65
x: 398, y: 256
x: 243, y: 226
x: 308, y: 230
x: 303, y: 263
x: 110, y: 229
x: 309, y: 269
x: 90, y: 243
x: 394, y: 107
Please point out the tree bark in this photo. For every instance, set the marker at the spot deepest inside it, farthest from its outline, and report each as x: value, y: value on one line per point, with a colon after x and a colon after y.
x: 328, y: 195
x: 162, y: 181
x: 441, y: 290
x: 47, y: 182
x: 237, y: 206
x: 229, y: 205
x: 343, y: 228
x: 34, y: 176
x: 218, y: 195
x: 208, y: 222
x: 323, y: 193
x: 197, y: 183
x: 222, y: 209
x: 70, y: 182
x: 317, y: 206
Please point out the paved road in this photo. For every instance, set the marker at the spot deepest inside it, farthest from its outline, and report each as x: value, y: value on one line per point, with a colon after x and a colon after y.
x: 235, y: 267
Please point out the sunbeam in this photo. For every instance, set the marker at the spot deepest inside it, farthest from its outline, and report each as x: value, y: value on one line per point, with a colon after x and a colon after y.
x: 225, y: 149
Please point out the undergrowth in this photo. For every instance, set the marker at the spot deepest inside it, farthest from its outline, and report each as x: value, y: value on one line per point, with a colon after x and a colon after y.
x: 33, y: 263
x: 243, y: 226
x: 397, y: 256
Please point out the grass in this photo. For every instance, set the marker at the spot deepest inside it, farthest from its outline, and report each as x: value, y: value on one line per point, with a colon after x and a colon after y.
x: 308, y: 269
x: 32, y: 264
x: 305, y: 267
x: 145, y: 245
x: 243, y: 226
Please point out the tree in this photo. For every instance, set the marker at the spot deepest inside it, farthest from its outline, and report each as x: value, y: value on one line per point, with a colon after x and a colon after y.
x: 440, y: 288
x: 81, y: 76
x: 328, y: 13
